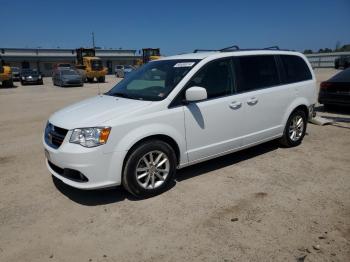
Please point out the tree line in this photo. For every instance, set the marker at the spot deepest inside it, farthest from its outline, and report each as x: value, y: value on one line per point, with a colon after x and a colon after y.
x: 338, y: 48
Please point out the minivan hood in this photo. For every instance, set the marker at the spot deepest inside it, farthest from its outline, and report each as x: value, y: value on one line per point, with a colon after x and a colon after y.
x: 95, y: 111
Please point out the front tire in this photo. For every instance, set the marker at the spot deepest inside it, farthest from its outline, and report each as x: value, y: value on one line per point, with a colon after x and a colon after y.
x: 101, y: 79
x: 295, y: 129
x: 149, y: 168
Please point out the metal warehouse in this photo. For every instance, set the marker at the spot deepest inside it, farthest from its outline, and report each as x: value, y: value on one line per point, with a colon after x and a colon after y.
x: 44, y: 59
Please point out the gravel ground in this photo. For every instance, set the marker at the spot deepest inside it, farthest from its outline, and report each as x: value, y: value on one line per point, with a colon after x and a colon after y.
x: 262, y: 204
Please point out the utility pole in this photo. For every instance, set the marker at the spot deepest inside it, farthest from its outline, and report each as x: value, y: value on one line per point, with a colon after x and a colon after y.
x: 93, y: 39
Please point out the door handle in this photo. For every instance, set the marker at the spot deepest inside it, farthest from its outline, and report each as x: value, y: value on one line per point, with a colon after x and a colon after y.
x: 252, y: 101
x: 235, y: 105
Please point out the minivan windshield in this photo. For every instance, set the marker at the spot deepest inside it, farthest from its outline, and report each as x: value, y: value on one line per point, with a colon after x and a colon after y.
x: 27, y: 72
x: 69, y: 72
x: 153, y: 81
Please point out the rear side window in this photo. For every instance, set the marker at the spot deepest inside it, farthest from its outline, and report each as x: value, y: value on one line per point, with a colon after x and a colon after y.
x: 295, y: 69
x: 256, y: 72
x: 216, y: 77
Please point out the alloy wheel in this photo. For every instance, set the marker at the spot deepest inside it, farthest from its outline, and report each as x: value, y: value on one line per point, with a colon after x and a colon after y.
x: 152, y: 169
x: 296, y: 128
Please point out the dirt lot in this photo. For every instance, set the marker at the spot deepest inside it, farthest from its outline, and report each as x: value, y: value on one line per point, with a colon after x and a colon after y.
x: 263, y: 204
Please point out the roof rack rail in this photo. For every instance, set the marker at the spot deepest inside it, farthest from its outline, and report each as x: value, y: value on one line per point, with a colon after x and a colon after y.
x: 273, y: 47
x: 236, y: 47
x: 204, y: 50
x: 226, y: 49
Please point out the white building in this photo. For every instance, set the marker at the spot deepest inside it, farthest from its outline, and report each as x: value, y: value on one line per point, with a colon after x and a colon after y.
x: 44, y: 59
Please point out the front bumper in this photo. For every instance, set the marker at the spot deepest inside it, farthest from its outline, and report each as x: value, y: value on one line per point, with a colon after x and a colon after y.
x: 72, y: 83
x: 100, y: 169
x: 34, y: 81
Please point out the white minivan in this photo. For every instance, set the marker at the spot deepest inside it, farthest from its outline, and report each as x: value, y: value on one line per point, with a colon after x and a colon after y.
x: 178, y: 111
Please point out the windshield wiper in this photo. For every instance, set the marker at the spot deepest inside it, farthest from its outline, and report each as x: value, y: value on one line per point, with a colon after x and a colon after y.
x: 118, y: 94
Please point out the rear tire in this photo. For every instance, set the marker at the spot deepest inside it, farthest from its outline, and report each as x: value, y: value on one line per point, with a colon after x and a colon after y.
x: 295, y: 129
x: 10, y: 83
x: 90, y: 80
x: 149, y: 168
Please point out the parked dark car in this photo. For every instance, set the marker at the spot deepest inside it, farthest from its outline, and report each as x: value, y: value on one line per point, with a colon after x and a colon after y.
x: 342, y: 62
x: 31, y: 76
x: 67, y: 77
x: 16, y: 73
x: 336, y: 90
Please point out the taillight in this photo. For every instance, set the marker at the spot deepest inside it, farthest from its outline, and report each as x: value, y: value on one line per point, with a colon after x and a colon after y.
x: 325, y: 85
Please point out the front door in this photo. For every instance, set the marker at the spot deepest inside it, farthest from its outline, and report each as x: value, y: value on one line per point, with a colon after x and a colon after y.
x: 213, y: 126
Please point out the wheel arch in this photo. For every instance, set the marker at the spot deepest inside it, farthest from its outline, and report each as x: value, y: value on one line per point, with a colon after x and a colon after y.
x: 297, y: 104
x: 165, y: 138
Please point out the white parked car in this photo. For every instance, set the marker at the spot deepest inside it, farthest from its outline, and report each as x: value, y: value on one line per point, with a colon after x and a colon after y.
x: 123, y: 70
x: 178, y: 111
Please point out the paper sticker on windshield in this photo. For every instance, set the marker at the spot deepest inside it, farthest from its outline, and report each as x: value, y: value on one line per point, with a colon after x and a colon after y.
x: 185, y: 64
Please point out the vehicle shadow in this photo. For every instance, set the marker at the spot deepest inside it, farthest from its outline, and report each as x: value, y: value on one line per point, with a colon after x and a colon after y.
x: 118, y: 194
x: 8, y: 87
x: 224, y: 161
x: 92, y: 197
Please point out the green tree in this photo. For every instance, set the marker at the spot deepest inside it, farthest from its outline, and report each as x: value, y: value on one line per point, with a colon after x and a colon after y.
x: 308, y: 51
x: 345, y: 48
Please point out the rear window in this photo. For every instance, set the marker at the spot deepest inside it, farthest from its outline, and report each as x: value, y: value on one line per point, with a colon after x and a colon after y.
x: 256, y: 72
x: 295, y: 69
x: 343, y: 76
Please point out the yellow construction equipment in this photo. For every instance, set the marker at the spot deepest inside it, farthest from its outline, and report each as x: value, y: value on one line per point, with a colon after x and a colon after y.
x: 5, y: 75
x: 86, y: 60
x: 148, y: 54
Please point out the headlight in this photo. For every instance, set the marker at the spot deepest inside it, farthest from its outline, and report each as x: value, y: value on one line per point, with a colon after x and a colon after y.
x: 39, y: 76
x: 90, y: 136
x: 23, y: 78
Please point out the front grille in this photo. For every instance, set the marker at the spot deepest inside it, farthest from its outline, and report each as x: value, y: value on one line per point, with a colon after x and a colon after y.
x: 54, y: 135
x: 68, y: 173
x: 73, y: 82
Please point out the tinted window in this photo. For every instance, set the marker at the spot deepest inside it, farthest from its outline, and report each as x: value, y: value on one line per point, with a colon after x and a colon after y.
x: 215, y: 77
x: 295, y: 69
x: 256, y: 72
x: 343, y: 76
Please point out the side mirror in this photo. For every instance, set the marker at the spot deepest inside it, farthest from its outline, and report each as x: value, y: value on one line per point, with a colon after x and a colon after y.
x: 196, y: 93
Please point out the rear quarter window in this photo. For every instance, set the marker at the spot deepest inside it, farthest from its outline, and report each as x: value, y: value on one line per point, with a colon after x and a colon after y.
x: 295, y: 69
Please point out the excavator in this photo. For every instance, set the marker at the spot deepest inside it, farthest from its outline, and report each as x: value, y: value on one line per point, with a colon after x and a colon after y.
x: 148, y: 54
x: 90, y: 65
x: 5, y: 75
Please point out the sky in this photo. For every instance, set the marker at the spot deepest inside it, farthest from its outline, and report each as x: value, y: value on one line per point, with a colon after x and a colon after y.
x: 176, y: 26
